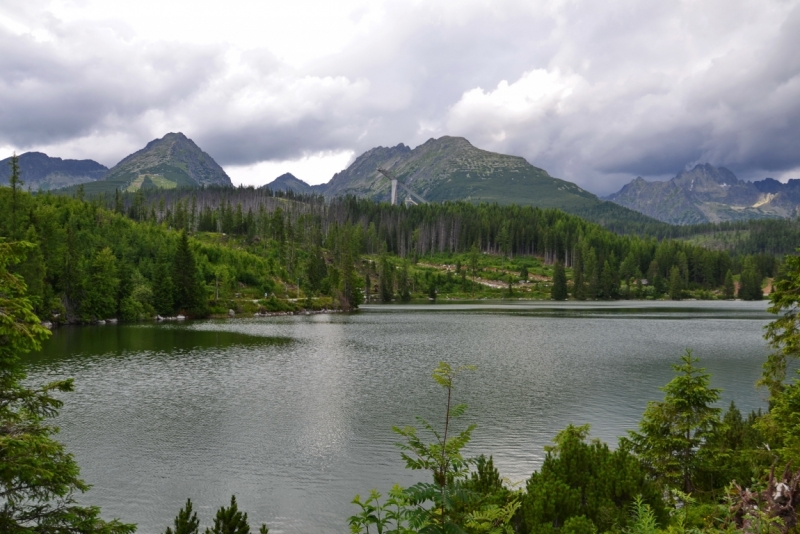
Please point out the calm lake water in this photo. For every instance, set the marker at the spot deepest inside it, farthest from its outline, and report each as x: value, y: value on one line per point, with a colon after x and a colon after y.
x: 294, y: 414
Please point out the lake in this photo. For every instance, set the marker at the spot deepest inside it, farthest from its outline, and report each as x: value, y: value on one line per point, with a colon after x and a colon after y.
x: 294, y: 414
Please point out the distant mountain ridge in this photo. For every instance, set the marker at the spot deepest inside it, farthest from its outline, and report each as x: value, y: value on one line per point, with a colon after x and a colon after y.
x: 451, y: 168
x: 42, y: 172
x: 166, y: 163
x: 709, y: 194
x: 290, y: 183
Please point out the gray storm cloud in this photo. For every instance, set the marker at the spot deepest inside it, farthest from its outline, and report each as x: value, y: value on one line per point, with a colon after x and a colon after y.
x: 593, y: 92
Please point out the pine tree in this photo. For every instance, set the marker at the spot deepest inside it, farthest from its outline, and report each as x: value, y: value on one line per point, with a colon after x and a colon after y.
x: 583, y: 480
x: 163, y: 289
x: 16, y: 184
x: 186, y: 521
x: 592, y: 269
x: 101, y: 293
x: 386, y: 280
x: 118, y: 205
x: 672, y: 432
x: 403, y: 286
x: 188, y: 293
x: 39, y: 479
x: 608, y: 283
x: 750, y: 282
x: 675, y: 283
x: 728, y: 290
x: 559, y: 289
x: 473, y: 265
x: 230, y: 520
x: 579, y: 289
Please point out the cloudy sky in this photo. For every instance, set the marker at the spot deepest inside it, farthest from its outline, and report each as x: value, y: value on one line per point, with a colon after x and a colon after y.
x: 593, y: 92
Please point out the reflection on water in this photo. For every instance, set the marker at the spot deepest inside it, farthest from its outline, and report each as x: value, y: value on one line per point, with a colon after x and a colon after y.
x: 294, y: 414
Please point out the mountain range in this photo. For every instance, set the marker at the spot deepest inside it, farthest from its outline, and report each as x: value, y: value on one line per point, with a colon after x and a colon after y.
x: 710, y: 194
x: 42, y: 172
x: 443, y: 169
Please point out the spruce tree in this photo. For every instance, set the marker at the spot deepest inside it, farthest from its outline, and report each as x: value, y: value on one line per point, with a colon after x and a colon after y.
x: 582, y: 480
x: 403, y: 284
x: 473, y: 265
x: 578, y: 280
x: 386, y: 280
x: 39, y: 479
x: 673, y: 432
x: 186, y: 521
x: 559, y: 289
x: 728, y: 289
x: 101, y: 292
x: 675, y: 283
x: 608, y: 283
x: 188, y: 293
x: 750, y: 282
x: 16, y: 184
x: 163, y: 289
x: 593, y: 275
x: 232, y: 521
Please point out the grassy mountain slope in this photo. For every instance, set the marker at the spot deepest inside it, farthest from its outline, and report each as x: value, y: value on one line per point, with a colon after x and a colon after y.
x: 450, y: 169
x: 42, y: 172
x: 166, y: 163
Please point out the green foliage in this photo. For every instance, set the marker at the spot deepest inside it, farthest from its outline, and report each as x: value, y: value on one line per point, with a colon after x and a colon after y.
x: 782, y: 424
x: 738, y: 451
x: 38, y: 477
x: 386, y: 280
x: 456, y: 501
x: 581, y: 479
x: 403, y: 284
x: 644, y: 519
x: 389, y: 517
x: 188, y: 290
x: 101, y: 292
x: 186, y: 521
x: 137, y: 304
x: 559, y: 289
x: 728, y: 288
x: 230, y: 520
x: 783, y: 334
x: 750, y: 282
x: 672, y: 433
x: 675, y: 283
x: 163, y: 289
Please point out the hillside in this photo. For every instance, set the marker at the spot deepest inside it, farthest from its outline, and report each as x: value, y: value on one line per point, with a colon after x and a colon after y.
x: 166, y: 163
x: 709, y: 194
x: 42, y: 172
x: 450, y: 168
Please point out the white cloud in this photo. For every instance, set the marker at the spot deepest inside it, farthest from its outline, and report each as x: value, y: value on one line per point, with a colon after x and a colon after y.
x: 313, y: 169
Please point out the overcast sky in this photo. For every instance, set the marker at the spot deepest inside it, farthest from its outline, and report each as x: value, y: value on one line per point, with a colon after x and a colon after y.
x: 593, y: 92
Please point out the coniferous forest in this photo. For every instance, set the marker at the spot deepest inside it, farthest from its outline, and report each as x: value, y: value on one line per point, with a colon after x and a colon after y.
x: 207, y: 251
x: 689, y: 467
